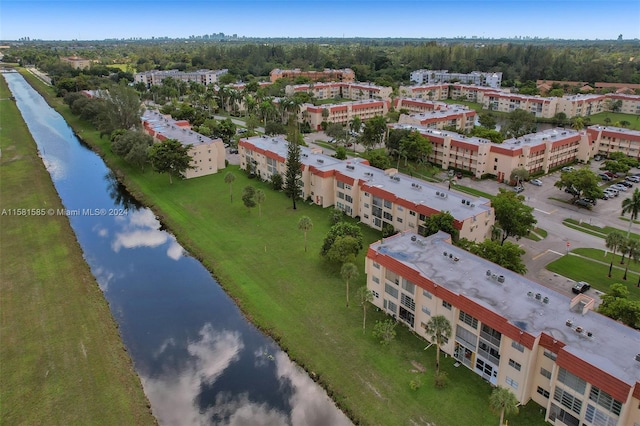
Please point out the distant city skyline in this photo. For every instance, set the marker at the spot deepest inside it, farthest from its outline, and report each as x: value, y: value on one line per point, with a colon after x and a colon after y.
x: 118, y: 19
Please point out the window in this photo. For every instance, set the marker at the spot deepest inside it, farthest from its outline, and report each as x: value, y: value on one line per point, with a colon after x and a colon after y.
x: 426, y: 310
x: 605, y: 400
x: 517, y: 346
x: 408, y: 286
x: 426, y: 294
x: 348, y: 198
x: 468, y: 319
x: 340, y: 185
x: 543, y: 392
x: 546, y: 373
x: 599, y: 418
x: 375, y: 294
x: 515, y: 364
x: 375, y: 279
x: 466, y: 337
x: 572, y: 381
x: 389, y: 305
x: 341, y: 195
x: 399, y: 220
x: 511, y: 382
x: 550, y: 354
x: 366, y: 205
x: 400, y: 208
x: 390, y: 290
x: 376, y: 265
x: 490, y: 335
x: 446, y: 305
x: 567, y: 400
x: 407, y: 316
x: 412, y: 213
x: 388, y: 216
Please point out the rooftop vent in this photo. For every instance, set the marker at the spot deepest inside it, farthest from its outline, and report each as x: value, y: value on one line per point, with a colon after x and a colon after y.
x: 545, y: 300
x: 350, y: 167
x: 538, y: 296
x: 589, y: 334
x: 464, y: 201
x: 578, y: 329
x: 530, y: 293
x: 445, y: 253
x: 638, y: 357
x: 468, y: 202
x: 488, y: 272
x: 569, y: 323
x: 413, y: 238
x: 437, y: 192
x: 501, y: 279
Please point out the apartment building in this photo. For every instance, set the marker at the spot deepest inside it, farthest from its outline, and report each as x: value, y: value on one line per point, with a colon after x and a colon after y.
x: 509, y: 102
x: 346, y: 74
x: 582, y: 367
x: 458, y: 116
x: 630, y: 104
x: 76, y: 62
x: 336, y: 90
x: 154, y: 78
x: 536, y: 152
x: 418, y: 105
x: 343, y: 113
x: 606, y: 139
x: 489, y: 79
x: 207, y: 154
x: 377, y: 197
x: 582, y: 105
x: 432, y: 92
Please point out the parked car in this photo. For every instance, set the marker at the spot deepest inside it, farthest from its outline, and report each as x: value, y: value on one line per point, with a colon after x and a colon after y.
x: 614, y: 192
x: 604, y: 176
x: 634, y: 179
x: 518, y: 189
x: 591, y: 200
x: 536, y: 182
x: 619, y: 187
x: 598, y: 157
x: 568, y: 169
x: 580, y: 287
x: 612, y: 175
x: 626, y: 183
x: 459, y: 175
x: 605, y: 195
x: 571, y: 191
x: 581, y: 202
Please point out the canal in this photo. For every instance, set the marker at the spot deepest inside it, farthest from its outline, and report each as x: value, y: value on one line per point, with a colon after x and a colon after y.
x: 199, y: 360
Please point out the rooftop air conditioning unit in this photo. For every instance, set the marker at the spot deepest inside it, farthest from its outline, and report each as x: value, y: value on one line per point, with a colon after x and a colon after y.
x: 538, y: 296
x: 413, y: 238
x: 437, y: 192
x: 473, y: 205
x: 569, y: 323
x: 488, y: 272
x: 501, y: 279
x: 638, y: 357
x: 545, y: 300
x: 468, y: 202
x: 464, y: 201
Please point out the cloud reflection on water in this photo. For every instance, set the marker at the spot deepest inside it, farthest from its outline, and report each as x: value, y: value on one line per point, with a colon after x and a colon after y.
x: 142, y: 229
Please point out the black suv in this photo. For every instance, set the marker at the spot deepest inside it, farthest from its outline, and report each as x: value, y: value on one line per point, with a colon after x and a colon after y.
x: 580, y: 287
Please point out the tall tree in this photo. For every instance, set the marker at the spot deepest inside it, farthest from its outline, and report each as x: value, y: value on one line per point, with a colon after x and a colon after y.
x: 374, y: 131
x: 171, y: 157
x: 632, y: 250
x: 305, y: 224
x: 365, y: 296
x: 259, y: 199
x: 502, y: 401
x: 583, y: 182
x: 349, y: 271
x: 415, y: 147
x: 229, y: 178
x: 520, y: 122
x: 341, y: 229
x: 121, y: 109
x: 385, y: 331
x: 294, y: 165
x: 514, y: 217
x: 614, y: 242
x: 248, y: 197
x: 442, y: 221
x: 439, y: 328
x: 631, y: 206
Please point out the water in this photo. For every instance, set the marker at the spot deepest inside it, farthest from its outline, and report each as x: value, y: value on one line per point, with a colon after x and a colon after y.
x: 199, y: 360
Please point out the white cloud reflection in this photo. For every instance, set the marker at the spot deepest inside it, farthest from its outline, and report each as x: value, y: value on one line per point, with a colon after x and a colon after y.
x: 174, y: 396
x: 142, y: 229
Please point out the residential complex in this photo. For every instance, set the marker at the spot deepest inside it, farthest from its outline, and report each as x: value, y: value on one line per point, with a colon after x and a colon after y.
x: 377, y: 197
x: 154, y: 78
x: 418, y: 105
x: 583, y: 367
x: 327, y: 74
x: 490, y: 79
x: 337, y: 90
x: 537, y: 152
x: 343, y: 113
x: 504, y: 101
x: 605, y: 140
x: 208, y: 155
x: 459, y: 117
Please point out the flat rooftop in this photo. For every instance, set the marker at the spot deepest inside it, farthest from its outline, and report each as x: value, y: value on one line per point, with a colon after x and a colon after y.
x: 534, y: 139
x: 402, y: 186
x: 612, y: 346
x: 168, y: 127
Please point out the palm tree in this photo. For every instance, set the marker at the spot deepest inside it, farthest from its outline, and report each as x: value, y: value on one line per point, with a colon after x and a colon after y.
x: 305, y: 225
x: 349, y: 272
x: 632, y: 206
x: 229, y: 178
x: 438, y: 328
x: 259, y: 198
x: 613, y: 242
x: 365, y: 296
x: 632, y: 249
x: 503, y: 401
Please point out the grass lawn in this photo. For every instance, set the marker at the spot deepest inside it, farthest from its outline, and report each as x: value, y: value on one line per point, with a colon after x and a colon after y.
x: 538, y: 234
x: 579, y: 269
x: 473, y: 191
x: 62, y: 359
x: 615, y: 117
x: 598, y: 231
x: 299, y: 299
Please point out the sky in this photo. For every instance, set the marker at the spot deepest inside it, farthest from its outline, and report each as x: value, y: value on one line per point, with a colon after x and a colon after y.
x: 118, y: 19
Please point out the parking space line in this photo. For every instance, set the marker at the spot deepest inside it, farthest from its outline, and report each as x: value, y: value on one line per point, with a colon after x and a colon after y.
x: 538, y: 256
x: 542, y: 211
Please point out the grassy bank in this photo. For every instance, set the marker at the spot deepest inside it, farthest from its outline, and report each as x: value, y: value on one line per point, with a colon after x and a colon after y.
x: 62, y: 359
x: 299, y: 299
